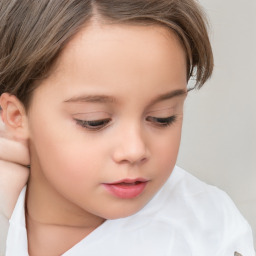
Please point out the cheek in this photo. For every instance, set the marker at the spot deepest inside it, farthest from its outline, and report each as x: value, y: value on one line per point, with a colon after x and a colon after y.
x: 62, y: 156
x: 166, y: 151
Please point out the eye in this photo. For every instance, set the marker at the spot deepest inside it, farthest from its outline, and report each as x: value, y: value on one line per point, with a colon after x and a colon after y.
x: 93, y: 125
x: 162, y: 121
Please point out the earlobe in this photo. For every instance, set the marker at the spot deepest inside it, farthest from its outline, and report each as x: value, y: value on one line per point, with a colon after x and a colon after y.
x: 14, y: 116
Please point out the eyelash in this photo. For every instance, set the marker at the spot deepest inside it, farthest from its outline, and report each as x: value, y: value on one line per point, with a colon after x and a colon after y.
x: 96, y: 125
x: 93, y: 125
x: 162, y: 121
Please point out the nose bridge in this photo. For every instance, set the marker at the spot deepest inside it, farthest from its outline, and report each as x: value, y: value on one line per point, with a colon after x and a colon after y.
x: 132, y: 146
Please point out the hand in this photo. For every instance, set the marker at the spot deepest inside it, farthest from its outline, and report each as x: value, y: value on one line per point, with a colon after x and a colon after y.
x: 14, y: 159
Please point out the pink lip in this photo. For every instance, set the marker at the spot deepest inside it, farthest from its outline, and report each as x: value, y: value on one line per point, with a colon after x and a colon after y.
x: 127, y: 188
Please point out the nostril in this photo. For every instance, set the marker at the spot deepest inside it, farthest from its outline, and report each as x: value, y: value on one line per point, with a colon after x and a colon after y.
x: 144, y: 160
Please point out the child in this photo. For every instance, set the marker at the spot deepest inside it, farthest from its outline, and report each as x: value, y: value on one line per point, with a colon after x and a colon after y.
x: 96, y: 89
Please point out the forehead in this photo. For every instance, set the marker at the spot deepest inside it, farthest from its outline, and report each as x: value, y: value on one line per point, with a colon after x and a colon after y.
x: 121, y: 60
x: 121, y: 45
x: 129, y: 35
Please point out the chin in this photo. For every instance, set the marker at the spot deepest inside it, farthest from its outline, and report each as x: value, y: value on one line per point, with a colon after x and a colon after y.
x: 122, y: 211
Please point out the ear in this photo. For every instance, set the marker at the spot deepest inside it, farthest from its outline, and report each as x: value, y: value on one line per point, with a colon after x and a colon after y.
x: 14, y: 116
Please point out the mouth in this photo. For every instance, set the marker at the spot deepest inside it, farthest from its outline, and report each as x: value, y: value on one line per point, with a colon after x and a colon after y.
x: 127, y: 188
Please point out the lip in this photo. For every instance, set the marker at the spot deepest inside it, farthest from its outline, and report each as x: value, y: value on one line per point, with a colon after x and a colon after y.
x: 126, y: 188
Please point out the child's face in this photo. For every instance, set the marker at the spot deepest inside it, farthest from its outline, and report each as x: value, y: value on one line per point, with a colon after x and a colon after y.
x: 111, y: 110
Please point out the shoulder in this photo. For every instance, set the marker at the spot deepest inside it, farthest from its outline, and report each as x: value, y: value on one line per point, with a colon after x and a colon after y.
x: 203, y: 214
x: 189, y: 188
x: 205, y: 201
x: 183, y: 189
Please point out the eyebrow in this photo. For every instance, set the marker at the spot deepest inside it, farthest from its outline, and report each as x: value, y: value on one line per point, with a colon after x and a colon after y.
x: 169, y: 95
x: 92, y: 99
x: 110, y: 99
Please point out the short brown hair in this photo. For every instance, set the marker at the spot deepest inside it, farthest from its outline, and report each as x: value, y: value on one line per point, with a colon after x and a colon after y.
x: 33, y: 33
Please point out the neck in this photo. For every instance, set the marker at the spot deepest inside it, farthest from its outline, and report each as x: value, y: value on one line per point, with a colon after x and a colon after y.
x: 45, y: 205
x: 54, y: 223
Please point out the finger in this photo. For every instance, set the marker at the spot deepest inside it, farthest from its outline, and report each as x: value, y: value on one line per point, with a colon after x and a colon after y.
x: 2, y: 128
x: 13, y: 178
x: 14, y: 151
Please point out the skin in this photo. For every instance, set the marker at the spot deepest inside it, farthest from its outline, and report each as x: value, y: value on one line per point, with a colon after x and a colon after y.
x: 133, y: 66
x: 14, y: 157
x: 13, y: 176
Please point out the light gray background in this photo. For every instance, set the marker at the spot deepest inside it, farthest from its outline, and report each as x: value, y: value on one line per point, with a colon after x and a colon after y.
x: 219, y: 133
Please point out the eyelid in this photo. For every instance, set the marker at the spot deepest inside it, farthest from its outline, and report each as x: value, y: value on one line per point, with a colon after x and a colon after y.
x: 162, y: 121
x: 93, y: 125
x: 162, y: 109
x: 162, y: 112
x: 94, y: 115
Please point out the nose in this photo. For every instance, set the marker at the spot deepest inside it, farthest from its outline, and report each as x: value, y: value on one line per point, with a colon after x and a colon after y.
x: 131, y: 146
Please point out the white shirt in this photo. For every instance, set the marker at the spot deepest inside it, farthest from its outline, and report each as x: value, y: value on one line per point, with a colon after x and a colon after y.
x: 185, y: 218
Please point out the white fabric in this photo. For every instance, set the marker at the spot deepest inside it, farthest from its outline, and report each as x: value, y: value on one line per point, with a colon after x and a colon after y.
x: 186, y: 218
x: 4, y: 225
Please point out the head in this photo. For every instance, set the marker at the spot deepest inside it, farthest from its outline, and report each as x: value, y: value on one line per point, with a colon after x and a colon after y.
x: 97, y: 88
